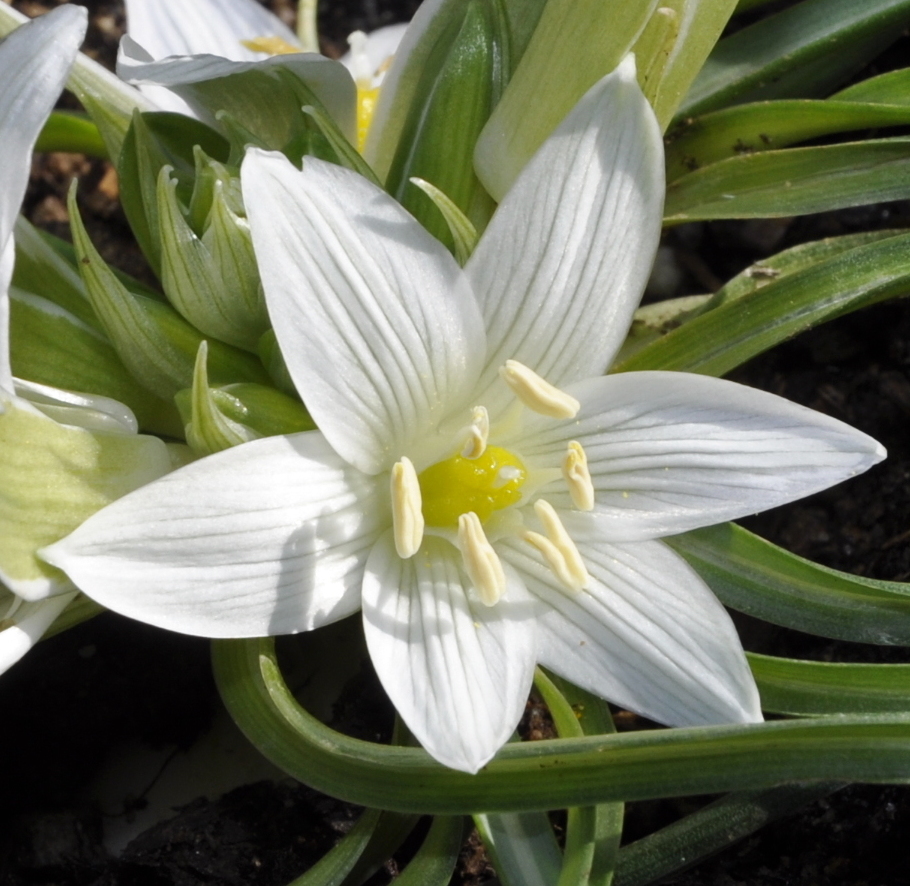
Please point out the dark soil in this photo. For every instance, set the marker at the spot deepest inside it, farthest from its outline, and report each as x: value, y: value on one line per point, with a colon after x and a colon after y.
x: 79, y: 696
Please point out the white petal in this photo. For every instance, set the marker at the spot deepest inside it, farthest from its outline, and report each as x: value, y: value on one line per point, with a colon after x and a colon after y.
x: 562, y: 266
x: 646, y: 634
x: 266, y: 538
x: 672, y: 451
x: 7, y: 259
x: 30, y: 621
x: 456, y: 670
x: 35, y: 61
x: 218, y: 27
x: 378, y: 336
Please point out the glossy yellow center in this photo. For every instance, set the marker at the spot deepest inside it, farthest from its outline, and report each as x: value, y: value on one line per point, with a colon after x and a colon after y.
x: 458, y: 485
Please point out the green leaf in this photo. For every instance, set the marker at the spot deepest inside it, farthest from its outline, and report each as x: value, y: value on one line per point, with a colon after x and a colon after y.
x: 795, y: 181
x: 73, y: 132
x: 553, y: 773
x: 743, y: 324
x: 754, y: 576
x: 464, y: 234
x: 372, y: 840
x: 763, y: 126
x: 345, y: 153
x: 50, y: 346
x: 462, y: 82
x: 576, y: 42
x: 713, y: 828
x: 592, y: 832
x: 801, y: 52
x: 435, y: 861
x: 811, y: 688
x: 523, y: 847
x: 892, y: 88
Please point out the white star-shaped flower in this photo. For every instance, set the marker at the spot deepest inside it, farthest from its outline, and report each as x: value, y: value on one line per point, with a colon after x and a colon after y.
x: 477, y: 487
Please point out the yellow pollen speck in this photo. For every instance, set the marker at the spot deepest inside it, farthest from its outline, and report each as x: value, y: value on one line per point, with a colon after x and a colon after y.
x: 457, y: 485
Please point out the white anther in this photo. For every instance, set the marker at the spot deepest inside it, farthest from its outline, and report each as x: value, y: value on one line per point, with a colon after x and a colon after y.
x: 478, y: 433
x: 578, y: 477
x: 558, y: 549
x: 537, y: 394
x: 481, y: 562
x: 407, y: 516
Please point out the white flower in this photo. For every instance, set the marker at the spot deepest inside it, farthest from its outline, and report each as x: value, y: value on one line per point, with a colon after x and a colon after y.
x: 175, y: 51
x: 53, y: 473
x: 482, y: 519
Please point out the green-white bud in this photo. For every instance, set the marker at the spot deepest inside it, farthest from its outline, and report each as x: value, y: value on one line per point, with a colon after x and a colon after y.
x: 211, y: 277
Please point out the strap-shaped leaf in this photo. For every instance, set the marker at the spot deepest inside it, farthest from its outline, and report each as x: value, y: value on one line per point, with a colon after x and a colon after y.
x: 756, y: 577
x: 788, y: 686
x: 737, y: 329
x: 794, y: 181
x: 801, y: 52
x: 557, y: 772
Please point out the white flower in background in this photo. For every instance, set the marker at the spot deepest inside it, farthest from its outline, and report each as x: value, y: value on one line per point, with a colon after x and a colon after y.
x: 483, y: 519
x: 174, y: 43
x: 62, y: 455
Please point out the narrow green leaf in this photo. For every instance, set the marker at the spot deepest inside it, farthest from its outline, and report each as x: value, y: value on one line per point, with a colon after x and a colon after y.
x: 346, y: 153
x: 811, y: 688
x: 551, y: 773
x: 892, y: 88
x: 762, y: 126
x: 592, y: 832
x: 715, y: 827
x: 801, y: 52
x: 435, y: 861
x: 738, y: 328
x: 756, y: 577
x: 464, y: 234
x: 794, y: 181
x: 50, y: 346
x: 371, y: 841
x: 523, y: 847
x: 72, y: 132
x: 462, y: 83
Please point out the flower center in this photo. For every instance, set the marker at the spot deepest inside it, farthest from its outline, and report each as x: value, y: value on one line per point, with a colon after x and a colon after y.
x: 458, y: 485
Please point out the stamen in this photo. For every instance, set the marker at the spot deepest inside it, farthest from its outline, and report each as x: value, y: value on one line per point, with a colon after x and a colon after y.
x: 578, y: 477
x: 481, y: 562
x: 407, y: 516
x: 361, y: 69
x: 271, y: 45
x: 558, y: 549
x: 478, y: 434
x: 536, y: 393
